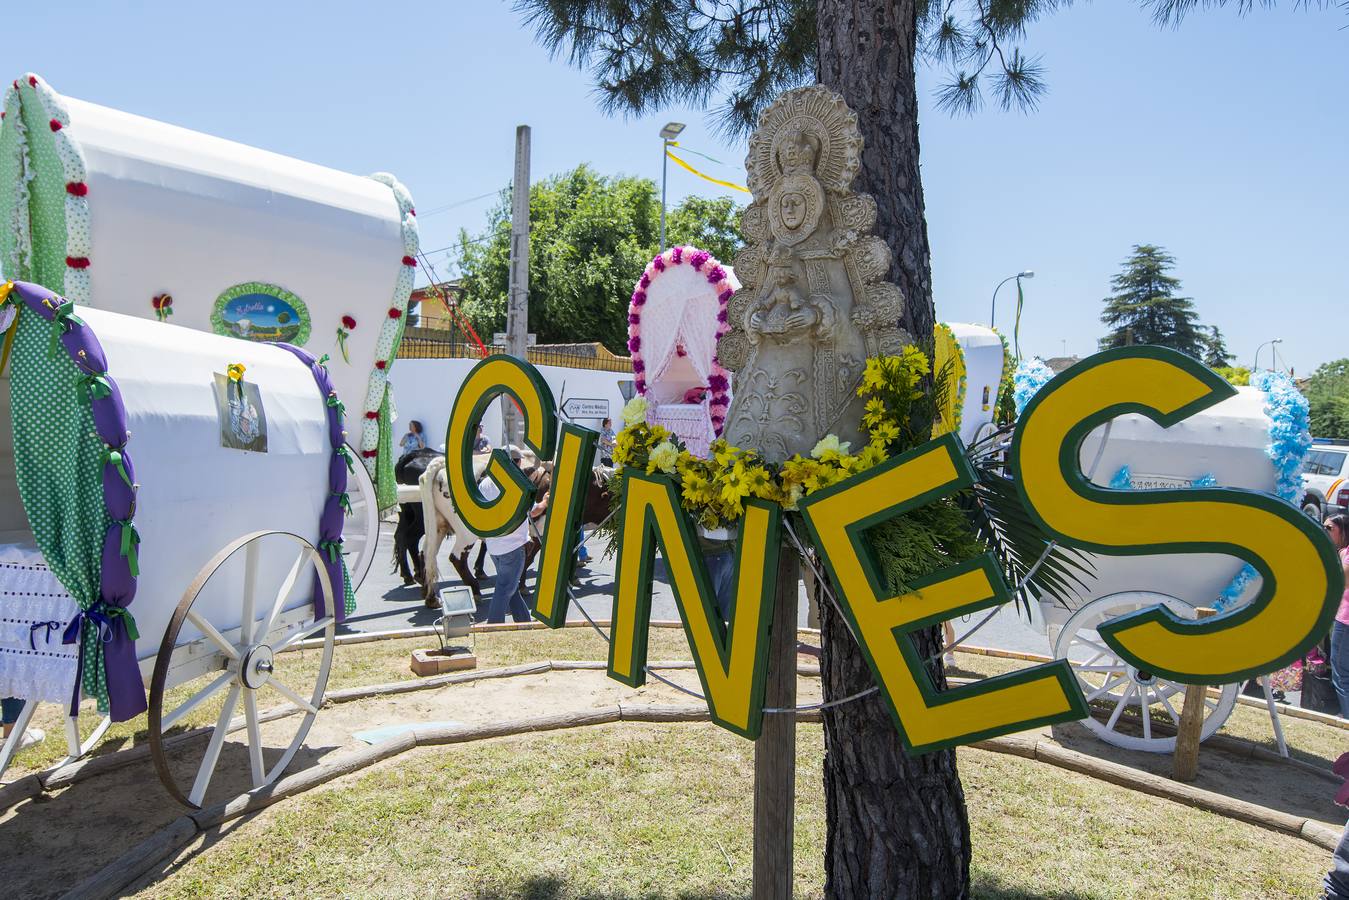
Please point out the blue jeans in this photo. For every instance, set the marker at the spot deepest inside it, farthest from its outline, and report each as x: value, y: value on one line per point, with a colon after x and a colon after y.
x: 1339, y: 665
x: 506, y: 590
x: 9, y: 710
x: 1337, y: 879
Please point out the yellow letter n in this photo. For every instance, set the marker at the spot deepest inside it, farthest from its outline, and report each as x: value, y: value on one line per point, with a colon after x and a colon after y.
x: 732, y: 661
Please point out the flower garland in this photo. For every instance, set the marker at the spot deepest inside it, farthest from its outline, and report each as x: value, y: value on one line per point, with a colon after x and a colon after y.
x: 719, y: 381
x: 1031, y: 375
x: 948, y: 352
x: 78, y: 235
x: 19, y: 228
x: 713, y: 490
x: 1004, y: 405
x: 1289, y: 440
x: 391, y: 332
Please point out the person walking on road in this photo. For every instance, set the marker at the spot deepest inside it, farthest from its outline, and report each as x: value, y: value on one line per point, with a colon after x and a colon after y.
x: 1338, y: 529
x: 508, y: 556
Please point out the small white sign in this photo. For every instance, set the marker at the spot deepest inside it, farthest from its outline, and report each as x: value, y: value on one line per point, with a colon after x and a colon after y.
x: 1141, y: 482
x: 581, y: 408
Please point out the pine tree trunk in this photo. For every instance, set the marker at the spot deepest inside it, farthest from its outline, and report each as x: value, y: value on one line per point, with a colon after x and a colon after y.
x: 897, y: 825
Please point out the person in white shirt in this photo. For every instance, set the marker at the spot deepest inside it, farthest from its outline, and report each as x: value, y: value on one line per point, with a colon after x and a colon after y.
x: 508, y: 557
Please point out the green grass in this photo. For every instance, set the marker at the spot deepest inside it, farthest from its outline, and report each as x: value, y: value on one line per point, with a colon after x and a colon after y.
x: 666, y: 811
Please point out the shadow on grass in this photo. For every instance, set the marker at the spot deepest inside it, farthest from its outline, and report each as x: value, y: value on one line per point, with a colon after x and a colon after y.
x: 553, y: 888
x: 988, y: 887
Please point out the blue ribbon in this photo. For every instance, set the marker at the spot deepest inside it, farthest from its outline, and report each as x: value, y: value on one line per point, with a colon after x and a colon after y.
x: 93, y: 616
x: 32, y: 632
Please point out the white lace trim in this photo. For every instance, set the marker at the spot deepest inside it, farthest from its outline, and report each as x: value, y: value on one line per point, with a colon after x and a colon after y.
x: 34, y: 664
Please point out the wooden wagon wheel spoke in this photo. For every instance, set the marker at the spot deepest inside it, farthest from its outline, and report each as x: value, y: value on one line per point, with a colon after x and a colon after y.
x: 1107, y: 688
x: 196, y: 700
x: 249, y: 660
x: 250, y: 592
x: 1170, y: 710
x: 213, y: 635
x: 286, y: 587
x: 254, y: 738
x: 1119, y: 706
x: 208, y: 763
x: 1143, y: 709
x: 295, y: 637
x: 292, y: 695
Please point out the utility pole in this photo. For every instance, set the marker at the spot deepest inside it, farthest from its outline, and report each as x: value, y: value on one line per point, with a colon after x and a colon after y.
x: 517, y: 302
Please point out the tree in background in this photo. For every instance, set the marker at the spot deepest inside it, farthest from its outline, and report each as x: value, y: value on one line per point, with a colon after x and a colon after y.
x: 1328, y: 394
x: 1216, y: 354
x: 897, y: 824
x: 591, y: 236
x: 1237, y: 376
x: 1146, y: 307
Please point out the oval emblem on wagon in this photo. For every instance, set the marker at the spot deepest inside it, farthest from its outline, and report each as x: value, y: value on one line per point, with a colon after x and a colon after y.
x: 261, y: 312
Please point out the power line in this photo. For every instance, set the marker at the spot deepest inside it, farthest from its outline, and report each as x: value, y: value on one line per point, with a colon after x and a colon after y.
x: 449, y: 206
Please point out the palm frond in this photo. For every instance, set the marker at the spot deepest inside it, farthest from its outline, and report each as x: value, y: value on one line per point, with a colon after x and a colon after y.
x: 1032, y: 565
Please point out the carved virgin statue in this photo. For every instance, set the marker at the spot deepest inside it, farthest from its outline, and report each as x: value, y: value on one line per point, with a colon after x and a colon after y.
x: 812, y: 306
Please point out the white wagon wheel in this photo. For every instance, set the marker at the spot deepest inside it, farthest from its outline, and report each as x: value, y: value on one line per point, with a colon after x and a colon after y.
x: 239, y: 660
x: 1118, y: 686
x: 360, y: 531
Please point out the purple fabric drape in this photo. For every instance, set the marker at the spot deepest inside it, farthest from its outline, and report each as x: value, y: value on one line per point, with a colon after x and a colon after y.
x: 119, y: 565
x: 334, y: 513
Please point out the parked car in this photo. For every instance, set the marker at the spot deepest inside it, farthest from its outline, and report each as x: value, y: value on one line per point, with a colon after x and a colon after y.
x: 1325, y: 479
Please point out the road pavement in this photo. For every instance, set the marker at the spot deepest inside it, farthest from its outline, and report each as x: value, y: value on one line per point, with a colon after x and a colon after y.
x: 383, y: 603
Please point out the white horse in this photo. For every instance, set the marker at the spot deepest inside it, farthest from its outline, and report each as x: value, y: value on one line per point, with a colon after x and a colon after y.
x: 443, y: 519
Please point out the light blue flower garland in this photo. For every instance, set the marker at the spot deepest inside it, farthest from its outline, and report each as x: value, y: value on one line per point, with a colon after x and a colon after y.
x: 1289, y: 440
x: 1031, y: 375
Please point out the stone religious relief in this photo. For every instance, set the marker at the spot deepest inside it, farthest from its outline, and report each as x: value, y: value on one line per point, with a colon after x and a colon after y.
x: 812, y: 306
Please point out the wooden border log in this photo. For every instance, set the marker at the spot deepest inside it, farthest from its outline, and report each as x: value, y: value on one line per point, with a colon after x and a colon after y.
x: 131, y: 865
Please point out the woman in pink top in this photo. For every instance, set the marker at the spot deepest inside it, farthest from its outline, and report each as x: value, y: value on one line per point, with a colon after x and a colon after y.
x: 1338, y: 529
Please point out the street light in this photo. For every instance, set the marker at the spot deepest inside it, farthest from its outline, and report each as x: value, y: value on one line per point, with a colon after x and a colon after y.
x: 993, y: 310
x: 667, y: 135
x: 1256, y: 362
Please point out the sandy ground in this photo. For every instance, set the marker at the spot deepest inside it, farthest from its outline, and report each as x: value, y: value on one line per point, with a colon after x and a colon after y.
x: 54, y: 842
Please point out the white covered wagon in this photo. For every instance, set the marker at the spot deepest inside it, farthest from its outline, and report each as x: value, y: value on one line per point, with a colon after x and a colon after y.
x: 1256, y: 440
x: 146, y: 219
x: 171, y: 506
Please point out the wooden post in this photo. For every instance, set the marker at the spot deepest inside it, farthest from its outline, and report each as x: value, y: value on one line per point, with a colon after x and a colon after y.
x: 1185, y: 764
x: 775, y: 750
x: 517, y: 298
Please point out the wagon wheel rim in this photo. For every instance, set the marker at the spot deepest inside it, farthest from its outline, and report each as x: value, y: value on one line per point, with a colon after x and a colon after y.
x: 360, y: 529
x: 240, y: 664
x: 1130, y: 699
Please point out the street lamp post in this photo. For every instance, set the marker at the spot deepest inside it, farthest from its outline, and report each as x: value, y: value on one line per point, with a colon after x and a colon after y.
x: 667, y: 135
x: 1255, y: 364
x: 993, y: 308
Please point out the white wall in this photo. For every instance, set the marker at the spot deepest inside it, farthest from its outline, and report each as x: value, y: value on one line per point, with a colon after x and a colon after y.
x: 424, y: 389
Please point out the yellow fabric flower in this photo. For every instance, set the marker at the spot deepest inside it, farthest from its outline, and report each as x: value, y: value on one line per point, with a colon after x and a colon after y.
x: 235, y: 371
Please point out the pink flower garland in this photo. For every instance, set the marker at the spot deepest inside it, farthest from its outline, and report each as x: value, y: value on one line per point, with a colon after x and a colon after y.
x: 719, y: 381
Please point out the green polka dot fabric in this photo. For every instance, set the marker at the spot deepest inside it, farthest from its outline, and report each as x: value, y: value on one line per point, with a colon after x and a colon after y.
x: 386, y: 488
x: 57, y: 461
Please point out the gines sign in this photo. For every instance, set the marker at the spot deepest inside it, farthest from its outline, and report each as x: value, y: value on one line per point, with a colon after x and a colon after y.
x: 1302, y: 578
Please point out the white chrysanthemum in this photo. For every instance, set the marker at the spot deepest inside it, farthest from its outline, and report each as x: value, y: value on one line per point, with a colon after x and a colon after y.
x: 830, y: 442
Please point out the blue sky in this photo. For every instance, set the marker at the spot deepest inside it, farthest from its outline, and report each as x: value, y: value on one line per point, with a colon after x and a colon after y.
x: 1225, y: 140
